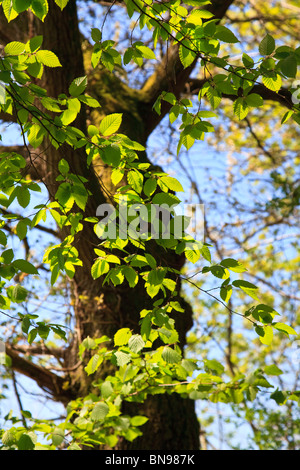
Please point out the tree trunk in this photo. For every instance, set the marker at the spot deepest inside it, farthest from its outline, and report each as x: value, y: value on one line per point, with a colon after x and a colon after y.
x: 102, y: 310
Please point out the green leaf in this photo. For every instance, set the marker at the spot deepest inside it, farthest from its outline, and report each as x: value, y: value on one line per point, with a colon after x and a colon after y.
x: 48, y: 58
x: 150, y: 186
x: 247, y: 61
x: 9, y: 12
x: 240, y: 108
x: 35, y: 43
x: 26, y: 442
x: 43, y: 330
x: 247, y: 287
x: 214, y: 366
x: 136, y: 343
x: 21, y: 5
x: 111, y: 155
x: 151, y: 260
x: 8, y: 438
x: 171, y: 183
x: 192, y: 255
x: 92, y: 130
x: 35, y: 135
x: 23, y: 196
x: 265, y: 334
x: 70, y: 114
x: 225, y: 35
x: 225, y: 293
x: 18, y: 293
x: 279, y: 397
x: 89, y: 343
x: 99, y: 268
x: 186, y: 56
x: 61, y: 3
x: 287, y: 116
x: 93, y: 364
x: 170, y: 355
x: 32, y: 335
x: 165, y: 198
x: 288, y: 66
x: 89, y: 101
x: 146, y: 52
x: 14, y: 48
x: 131, y: 276
x: 39, y: 8
x: 196, y: 16
x: 3, y: 238
x: 267, y: 45
x: 63, y: 195
x: 273, y: 370
x: 138, y: 420
x: 78, y: 86
x: 233, y: 265
x: 106, y: 389
x: 135, y: 179
x: 122, y: 336
x: 288, y: 330
x: 121, y: 358
x: 254, y: 100
x: 57, y: 436
x: 63, y: 166
x: 25, y: 266
x: 110, y: 124
x: 272, y: 83
x: 99, y: 412
x: 96, y: 34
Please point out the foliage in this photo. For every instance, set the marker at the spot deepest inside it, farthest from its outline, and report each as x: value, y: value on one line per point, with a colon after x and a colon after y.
x: 152, y: 361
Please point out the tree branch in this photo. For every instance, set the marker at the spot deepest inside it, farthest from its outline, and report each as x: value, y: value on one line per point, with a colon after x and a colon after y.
x: 46, y: 380
x: 170, y: 75
x: 283, y: 96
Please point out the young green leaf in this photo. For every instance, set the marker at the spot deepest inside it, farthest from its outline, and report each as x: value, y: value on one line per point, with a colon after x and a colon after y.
x: 288, y: 330
x: 136, y: 343
x: 99, y: 268
x: 122, y: 336
x: 48, y: 58
x: 25, y: 266
x: 267, y: 45
x: 78, y: 86
x: 170, y: 355
x: 171, y: 183
x: 39, y: 8
x: 61, y: 3
x: 273, y: 82
x: 93, y: 364
x: 99, y: 412
x: 233, y: 265
x: 225, y: 35
x: 240, y: 108
x: 247, y: 287
x: 21, y: 5
x: 58, y: 436
x: 110, y: 124
x: 14, y: 48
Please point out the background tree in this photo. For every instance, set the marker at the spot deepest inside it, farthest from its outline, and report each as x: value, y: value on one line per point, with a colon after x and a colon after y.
x: 206, y: 70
